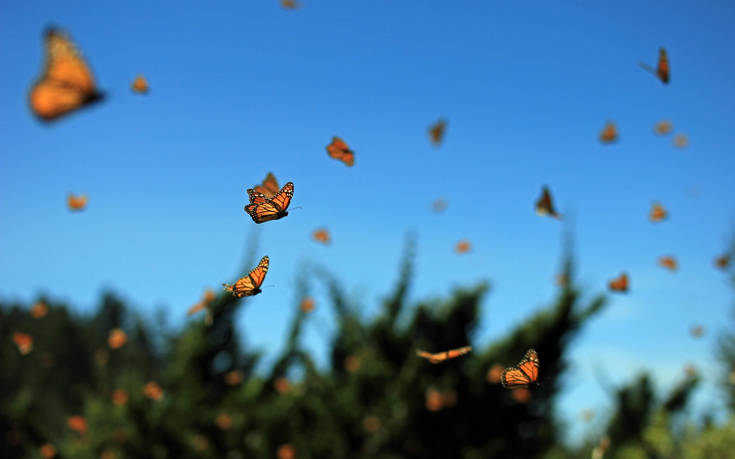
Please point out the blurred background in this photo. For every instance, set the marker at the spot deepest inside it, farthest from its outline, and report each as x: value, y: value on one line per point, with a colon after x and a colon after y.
x: 240, y: 89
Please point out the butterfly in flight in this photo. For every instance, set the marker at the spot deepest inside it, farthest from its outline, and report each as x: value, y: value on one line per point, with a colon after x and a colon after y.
x: 658, y: 213
x: 140, y: 85
x: 662, y: 70
x: 681, y: 141
x: 322, y: 235
x: 66, y: 83
x: 620, y: 284
x: 609, y: 133
x: 269, y: 187
x: 663, y: 127
x: 262, y: 209
x: 697, y: 331
x: 436, y: 132
x: 668, y: 262
x: 439, y: 205
x: 250, y: 284
x: 523, y: 375
x: 544, y: 205
x: 290, y: 4
x: 723, y: 261
x: 39, y: 310
x: 338, y: 149
x: 24, y: 341
x: 76, y: 203
x: 463, y: 246
x: 440, y: 357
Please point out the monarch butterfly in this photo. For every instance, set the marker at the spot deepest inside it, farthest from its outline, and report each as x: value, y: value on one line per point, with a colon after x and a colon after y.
x: 140, y: 85
x: 262, y: 209
x: 668, y: 262
x: 76, y: 203
x: 117, y: 338
x: 39, y: 310
x: 307, y: 304
x: 662, y: 70
x: 153, y: 391
x: 24, y: 341
x: 48, y: 451
x: 439, y: 205
x: 250, y: 284
x: 723, y: 261
x: 609, y: 133
x: 463, y: 246
x: 697, y: 331
x: 440, y: 357
x: 544, y: 205
x: 119, y: 397
x: 436, y: 132
x: 290, y: 4
x: 77, y: 423
x: 524, y: 374
x: 620, y: 284
x: 681, y: 141
x: 338, y: 149
x: 658, y: 213
x: 663, y: 127
x: 66, y: 83
x: 269, y: 187
x: 322, y: 235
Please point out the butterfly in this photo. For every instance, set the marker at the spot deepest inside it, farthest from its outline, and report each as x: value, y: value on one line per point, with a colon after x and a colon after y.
x: 117, y: 338
x: 76, y: 202
x: 322, y: 235
x: 524, y: 374
x: 140, y: 85
x: 269, y: 188
x: 440, y: 357
x: 250, y: 284
x: 262, y: 209
x: 609, y: 133
x: 681, y: 141
x: 66, y: 83
x: 668, y: 263
x: 439, y: 205
x: 24, y: 341
x: 663, y: 127
x: 462, y: 246
x: 697, y: 331
x: 620, y: 284
x: 544, y: 206
x: 338, y: 149
x: 290, y: 4
x: 39, y: 310
x: 658, y: 213
x: 662, y: 70
x: 77, y: 423
x: 307, y: 304
x: 436, y: 132
x: 723, y: 261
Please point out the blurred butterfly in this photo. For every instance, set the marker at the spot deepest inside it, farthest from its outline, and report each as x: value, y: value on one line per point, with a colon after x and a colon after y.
x: 662, y: 70
x: 153, y: 391
x: 338, y: 149
x: 436, y: 132
x: 66, y: 83
x: 697, y: 331
x: 77, y: 423
x: 250, y: 284
x: 290, y: 4
x: 439, y: 205
x: 524, y: 374
x: 663, y: 128
x: 587, y: 415
x: 307, y: 304
x: 668, y: 262
x: 544, y: 205
x: 117, y: 338
x: 269, y: 188
x: 76, y: 202
x: 440, y: 357
x: 24, y: 341
x: 39, y: 310
x: 207, y: 299
x: 262, y: 209
x: 609, y: 133
x: 140, y: 85
x: 658, y: 213
x: 723, y: 261
x: 620, y: 284
x: 322, y: 235
x: 463, y: 246
x: 562, y: 280
x: 48, y: 451
x: 681, y: 141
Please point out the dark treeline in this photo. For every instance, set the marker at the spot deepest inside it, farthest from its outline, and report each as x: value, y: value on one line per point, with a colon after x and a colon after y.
x: 375, y: 398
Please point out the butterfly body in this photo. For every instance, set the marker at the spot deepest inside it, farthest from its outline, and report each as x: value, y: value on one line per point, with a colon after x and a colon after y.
x: 524, y: 375
x: 66, y: 83
x: 250, y: 284
x: 262, y: 209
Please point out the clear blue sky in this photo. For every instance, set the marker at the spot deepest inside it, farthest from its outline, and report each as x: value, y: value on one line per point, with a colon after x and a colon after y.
x: 242, y: 88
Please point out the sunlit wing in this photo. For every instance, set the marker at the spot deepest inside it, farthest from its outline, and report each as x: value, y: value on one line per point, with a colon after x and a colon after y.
x: 269, y: 187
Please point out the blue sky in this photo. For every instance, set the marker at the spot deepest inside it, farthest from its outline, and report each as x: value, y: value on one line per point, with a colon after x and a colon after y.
x: 242, y: 88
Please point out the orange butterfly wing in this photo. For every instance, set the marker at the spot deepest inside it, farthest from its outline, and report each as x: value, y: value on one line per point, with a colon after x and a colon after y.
x: 436, y: 132
x: 338, y: 149
x: 270, y: 209
x: 620, y: 284
x: 523, y: 375
x: 250, y: 284
x: 269, y: 187
x: 140, y: 85
x: 663, y: 66
x: 66, y: 83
